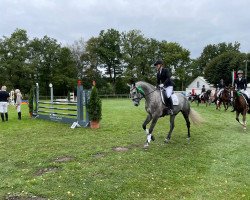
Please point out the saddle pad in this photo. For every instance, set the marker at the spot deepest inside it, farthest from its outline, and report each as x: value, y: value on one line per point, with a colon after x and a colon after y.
x: 175, y: 99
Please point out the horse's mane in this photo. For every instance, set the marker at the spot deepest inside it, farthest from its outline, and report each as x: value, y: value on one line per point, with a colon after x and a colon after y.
x: 143, y: 83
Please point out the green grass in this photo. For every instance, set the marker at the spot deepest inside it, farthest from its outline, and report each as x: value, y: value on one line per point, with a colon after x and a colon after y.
x: 215, y: 165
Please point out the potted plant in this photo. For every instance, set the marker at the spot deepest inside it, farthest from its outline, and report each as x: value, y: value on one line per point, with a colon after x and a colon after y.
x: 31, y: 101
x: 94, y: 108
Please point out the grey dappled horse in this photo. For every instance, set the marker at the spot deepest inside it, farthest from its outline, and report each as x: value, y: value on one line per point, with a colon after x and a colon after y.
x: 156, y: 109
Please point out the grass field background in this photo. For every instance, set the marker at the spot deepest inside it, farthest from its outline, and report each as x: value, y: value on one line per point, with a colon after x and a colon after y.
x: 48, y: 160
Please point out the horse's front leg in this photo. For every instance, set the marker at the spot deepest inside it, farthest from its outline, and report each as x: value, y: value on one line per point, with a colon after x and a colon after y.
x: 145, y: 123
x: 172, y: 117
x: 244, y: 120
x: 149, y: 132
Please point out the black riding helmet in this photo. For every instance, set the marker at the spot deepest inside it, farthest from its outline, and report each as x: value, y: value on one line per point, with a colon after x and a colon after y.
x: 158, y: 62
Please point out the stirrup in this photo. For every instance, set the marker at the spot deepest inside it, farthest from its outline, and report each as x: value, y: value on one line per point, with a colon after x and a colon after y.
x: 170, y: 112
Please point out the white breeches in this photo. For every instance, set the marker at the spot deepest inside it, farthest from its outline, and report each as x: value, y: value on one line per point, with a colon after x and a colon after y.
x: 18, y: 108
x: 218, y: 94
x: 169, y: 91
x: 245, y: 92
x: 3, y: 107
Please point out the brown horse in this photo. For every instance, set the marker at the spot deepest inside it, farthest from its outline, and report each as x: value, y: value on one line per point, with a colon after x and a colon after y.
x: 241, y: 107
x: 225, y: 98
x: 206, y: 98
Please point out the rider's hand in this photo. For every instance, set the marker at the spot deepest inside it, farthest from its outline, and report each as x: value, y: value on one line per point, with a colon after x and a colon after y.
x: 161, y: 85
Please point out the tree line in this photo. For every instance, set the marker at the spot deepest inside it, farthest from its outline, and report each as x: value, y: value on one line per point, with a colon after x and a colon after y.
x: 112, y: 59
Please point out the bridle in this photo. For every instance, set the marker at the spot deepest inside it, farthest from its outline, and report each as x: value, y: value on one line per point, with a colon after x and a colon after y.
x: 140, y: 91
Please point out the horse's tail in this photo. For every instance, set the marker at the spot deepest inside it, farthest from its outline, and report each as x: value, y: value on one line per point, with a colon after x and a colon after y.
x: 195, y: 117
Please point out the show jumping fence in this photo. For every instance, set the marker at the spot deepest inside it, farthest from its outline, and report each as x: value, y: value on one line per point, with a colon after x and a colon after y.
x: 60, y: 110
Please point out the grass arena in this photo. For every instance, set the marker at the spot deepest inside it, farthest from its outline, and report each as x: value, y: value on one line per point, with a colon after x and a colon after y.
x: 48, y: 160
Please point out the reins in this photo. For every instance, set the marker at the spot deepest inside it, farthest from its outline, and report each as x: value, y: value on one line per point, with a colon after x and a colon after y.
x: 142, y: 92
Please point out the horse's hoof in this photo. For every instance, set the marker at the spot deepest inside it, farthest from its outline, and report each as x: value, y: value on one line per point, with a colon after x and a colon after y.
x: 146, y: 146
x: 166, y: 141
x: 152, y: 138
x: 188, y: 140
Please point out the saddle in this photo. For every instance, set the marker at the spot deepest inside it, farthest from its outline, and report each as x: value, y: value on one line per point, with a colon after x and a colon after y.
x: 164, y: 98
x: 245, y: 97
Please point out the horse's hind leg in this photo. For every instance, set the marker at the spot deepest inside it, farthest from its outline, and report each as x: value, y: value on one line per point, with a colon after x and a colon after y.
x: 186, y: 117
x: 172, y: 117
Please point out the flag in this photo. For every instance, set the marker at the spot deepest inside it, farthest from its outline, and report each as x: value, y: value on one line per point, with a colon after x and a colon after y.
x: 234, y: 76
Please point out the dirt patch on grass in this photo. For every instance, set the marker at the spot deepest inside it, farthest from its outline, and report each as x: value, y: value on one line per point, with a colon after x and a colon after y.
x: 120, y: 149
x: 64, y: 159
x: 16, y: 197
x: 99, y: 155
x: 40, y: 172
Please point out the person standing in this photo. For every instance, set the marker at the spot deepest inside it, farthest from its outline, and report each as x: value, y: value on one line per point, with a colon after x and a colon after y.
x: 4, y: 97
x: 18, y: 102
x: 164, y: 81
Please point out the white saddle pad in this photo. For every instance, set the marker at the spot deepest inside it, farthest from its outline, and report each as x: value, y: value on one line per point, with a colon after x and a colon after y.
x: 175, y: 99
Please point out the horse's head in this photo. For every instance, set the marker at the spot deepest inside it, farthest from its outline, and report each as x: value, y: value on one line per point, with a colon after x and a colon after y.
x: 136, y: 94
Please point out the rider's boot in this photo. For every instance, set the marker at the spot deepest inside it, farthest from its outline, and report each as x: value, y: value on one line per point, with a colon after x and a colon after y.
x: 170, y: 105
x: 2, y: 116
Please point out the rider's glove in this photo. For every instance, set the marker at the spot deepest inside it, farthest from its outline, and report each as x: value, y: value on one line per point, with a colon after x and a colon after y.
x: 161, y: 85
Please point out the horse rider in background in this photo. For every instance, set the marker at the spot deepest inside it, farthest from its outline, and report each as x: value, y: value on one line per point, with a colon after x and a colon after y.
x: 203, y: 91
x: 220, y: 88
x: 164, y: 81
x: 241, y: 85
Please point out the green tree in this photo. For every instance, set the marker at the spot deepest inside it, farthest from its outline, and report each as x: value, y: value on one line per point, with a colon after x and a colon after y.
x: 64, y: 73
x: 211, y: 51
x: 90, y: 62
x: 45, y: 55
x: 177, y: 59
x: 14, y: 56
x: 110, y: 53
x: 222, y: 66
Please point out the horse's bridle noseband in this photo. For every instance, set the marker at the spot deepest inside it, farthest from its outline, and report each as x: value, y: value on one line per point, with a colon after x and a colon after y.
x: 141, y: 92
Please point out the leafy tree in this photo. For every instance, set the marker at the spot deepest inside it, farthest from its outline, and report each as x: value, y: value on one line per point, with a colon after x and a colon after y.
x: 211, y: 51
x: 177, y: 59
x: 45, y: 55
x: 91, y: 61
x: 14, y: 61
x: 110, y: 53
x: 222, y: 66
x: 64, y: 73
x: 78, y: 49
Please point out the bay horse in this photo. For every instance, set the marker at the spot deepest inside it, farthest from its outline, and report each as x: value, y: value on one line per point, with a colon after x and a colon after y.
x: 225, y: 98
x: 206, y: 98
x: 241, y: 106
x: 156, y: 109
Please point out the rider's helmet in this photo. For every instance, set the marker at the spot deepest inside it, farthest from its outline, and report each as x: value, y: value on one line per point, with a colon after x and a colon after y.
x: 158, y: 62
x: 240, y: 72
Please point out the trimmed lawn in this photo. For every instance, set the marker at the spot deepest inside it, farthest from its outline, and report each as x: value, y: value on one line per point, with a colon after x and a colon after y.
x: 48, y: 160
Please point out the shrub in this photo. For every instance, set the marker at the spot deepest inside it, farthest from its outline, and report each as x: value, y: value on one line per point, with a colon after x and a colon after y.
x: 94, y: 106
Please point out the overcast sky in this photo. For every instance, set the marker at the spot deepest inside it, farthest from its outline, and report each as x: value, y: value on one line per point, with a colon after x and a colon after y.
x: 191, y: 23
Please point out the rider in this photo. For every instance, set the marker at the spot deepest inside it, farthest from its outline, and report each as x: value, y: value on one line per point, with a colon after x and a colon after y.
x: 220, y: 87
x: 163, y: 80
x: 203, y: 91
x: 241, y: 85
